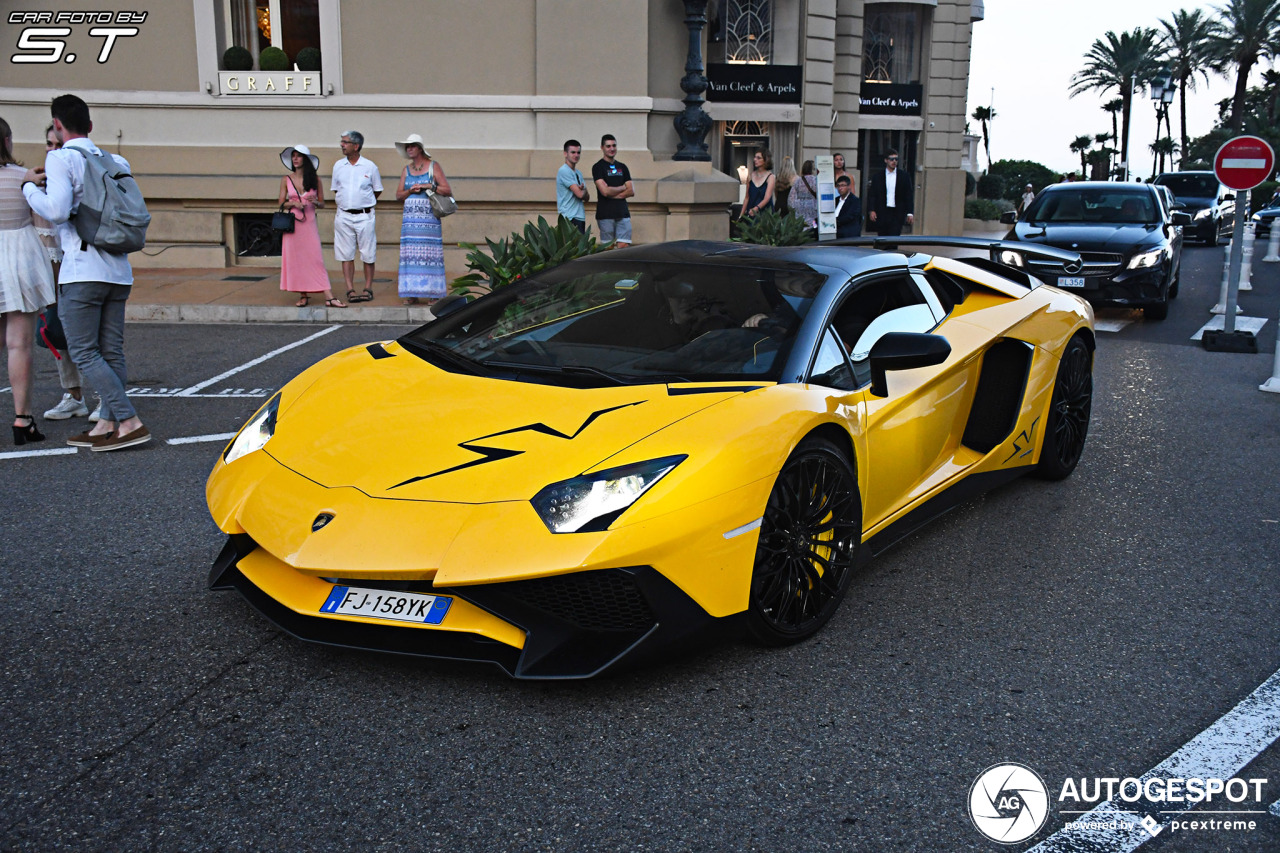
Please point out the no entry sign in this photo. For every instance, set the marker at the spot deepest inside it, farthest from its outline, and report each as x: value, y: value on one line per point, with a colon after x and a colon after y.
x: 1244, y: 162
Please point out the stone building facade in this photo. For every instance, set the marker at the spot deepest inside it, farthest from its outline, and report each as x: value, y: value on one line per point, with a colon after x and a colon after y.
x: 495, y: 87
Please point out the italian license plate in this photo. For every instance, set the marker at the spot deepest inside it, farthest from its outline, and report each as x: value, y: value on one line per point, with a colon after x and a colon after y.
x: 1070, y: 281
x: 385, y: 604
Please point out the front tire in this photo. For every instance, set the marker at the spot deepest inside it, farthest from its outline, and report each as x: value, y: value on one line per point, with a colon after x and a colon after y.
x: 1069, y: 410
x: 1156, y: 310
x: 809, y: 540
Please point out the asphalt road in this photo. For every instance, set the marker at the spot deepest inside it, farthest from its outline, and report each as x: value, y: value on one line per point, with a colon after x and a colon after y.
x: 1087, y: 628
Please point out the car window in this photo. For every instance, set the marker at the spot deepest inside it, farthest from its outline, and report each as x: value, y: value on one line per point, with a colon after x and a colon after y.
x: 831, y: 368
x: 1191, y: 186
x: 1116, y: 206
x: 913, y: 318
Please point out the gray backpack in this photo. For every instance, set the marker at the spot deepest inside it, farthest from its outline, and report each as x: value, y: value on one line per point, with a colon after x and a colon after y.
x: 112, y: 214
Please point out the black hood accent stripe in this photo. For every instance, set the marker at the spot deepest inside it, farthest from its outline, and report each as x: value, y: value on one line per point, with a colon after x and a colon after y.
x: 493, y: 454
x: 378, y: 351
x: 717, y: 389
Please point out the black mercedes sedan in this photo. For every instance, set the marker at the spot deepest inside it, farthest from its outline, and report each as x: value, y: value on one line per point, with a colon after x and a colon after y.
x: 1211, y: 206
x: 1130, y: 246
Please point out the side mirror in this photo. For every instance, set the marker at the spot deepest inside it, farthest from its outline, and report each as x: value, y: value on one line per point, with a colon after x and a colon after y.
x: 448, y: 305
x: 903, y: 351
x: 1180, y: 218
x: 1009, y: 217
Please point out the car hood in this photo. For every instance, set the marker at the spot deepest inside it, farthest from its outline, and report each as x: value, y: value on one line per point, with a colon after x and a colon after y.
x: 1096, y: 237
x: 395, y: 426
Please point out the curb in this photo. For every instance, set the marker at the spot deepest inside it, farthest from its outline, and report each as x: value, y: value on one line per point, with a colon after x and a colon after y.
x: 401, y: 315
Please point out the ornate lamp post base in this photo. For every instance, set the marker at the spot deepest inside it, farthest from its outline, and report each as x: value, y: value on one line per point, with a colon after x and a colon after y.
x: 693, y: 123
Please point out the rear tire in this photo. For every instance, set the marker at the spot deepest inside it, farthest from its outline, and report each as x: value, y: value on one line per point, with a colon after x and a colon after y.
x: 1069, y: 410
x: 809, y: 540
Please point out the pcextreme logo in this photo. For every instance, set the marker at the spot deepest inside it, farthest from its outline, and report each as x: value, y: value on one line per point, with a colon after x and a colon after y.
x: 1008, y: 803
x: 43, y: 37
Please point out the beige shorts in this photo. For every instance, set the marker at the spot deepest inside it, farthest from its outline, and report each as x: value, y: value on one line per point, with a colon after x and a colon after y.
x: 352, y: 231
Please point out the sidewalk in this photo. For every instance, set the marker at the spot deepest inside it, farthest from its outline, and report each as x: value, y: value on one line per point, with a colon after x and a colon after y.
x: 253, y: 295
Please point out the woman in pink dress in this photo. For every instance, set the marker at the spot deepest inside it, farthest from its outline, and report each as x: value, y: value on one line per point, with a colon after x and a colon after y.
x: 301, y: 263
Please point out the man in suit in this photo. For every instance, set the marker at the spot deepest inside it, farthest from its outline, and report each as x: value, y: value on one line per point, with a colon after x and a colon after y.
x: 890, y: 198
x: 848, y: 210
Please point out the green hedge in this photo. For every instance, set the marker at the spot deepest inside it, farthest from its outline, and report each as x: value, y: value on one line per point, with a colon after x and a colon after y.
x: 981, y: 208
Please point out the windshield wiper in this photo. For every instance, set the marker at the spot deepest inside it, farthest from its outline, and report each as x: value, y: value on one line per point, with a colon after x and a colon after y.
x: 443, y: 353
x: 580, y: 369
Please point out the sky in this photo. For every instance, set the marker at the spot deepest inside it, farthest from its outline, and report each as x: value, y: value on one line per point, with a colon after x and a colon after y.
x: 1027, y: 50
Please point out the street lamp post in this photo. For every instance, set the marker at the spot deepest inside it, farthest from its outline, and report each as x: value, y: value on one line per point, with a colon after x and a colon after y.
x: 1162, y: 92
x: 693, y: 123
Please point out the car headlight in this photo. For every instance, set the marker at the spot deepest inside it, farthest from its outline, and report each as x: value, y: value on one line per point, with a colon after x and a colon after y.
x: 256, y: 433
x: 1257, y: 217
x: 1011, y: 258
x: 1147, y: 259
x: 1204, y: 214
x: 591, y: 502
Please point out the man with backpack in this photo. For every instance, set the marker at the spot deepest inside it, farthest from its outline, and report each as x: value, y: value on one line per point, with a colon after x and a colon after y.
x: 100, y: 216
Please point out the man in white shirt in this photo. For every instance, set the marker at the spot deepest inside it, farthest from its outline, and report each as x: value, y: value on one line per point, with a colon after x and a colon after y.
x: 356, y: 186
x: 890, y: 198
x: 94, y: 284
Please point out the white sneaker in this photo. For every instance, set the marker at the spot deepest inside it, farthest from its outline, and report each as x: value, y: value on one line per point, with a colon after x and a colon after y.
x: 94, y: 415
x: 70, y: 407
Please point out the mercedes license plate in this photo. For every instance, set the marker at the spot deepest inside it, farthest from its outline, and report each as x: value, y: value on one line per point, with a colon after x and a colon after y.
x: 385, y: 604
x: 1071, y: 281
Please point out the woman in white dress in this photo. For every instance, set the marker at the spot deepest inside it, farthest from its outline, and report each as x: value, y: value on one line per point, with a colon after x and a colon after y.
x: 26, y: 286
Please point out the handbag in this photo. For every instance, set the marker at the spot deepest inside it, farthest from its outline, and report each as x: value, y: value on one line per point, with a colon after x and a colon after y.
x: 441, y: 205
x: 283, y: 220
x: 49, y: 333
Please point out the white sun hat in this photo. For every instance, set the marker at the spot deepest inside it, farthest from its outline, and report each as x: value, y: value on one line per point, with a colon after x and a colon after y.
x: 286, y: 156
x: 413, y: 139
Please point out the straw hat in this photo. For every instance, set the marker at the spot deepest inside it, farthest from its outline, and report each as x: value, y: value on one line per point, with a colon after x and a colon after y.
x: 286, y: 156
x: 413, y: 139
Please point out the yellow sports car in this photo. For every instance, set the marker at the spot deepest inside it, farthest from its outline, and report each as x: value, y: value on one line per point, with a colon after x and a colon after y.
x: 613, y: 456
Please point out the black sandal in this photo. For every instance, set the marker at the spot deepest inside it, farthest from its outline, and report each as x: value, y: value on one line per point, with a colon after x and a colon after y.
x: 368, y: 296
x: 21, y: 435
x: 303, y: 302
x: 351, y: 296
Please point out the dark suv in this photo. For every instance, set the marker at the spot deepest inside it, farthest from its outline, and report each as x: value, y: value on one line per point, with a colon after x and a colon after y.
x: 1129, y: 243
x: 1211, y: 206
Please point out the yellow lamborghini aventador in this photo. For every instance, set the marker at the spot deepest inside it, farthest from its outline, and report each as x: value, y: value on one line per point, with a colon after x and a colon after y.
x: 587, y: 466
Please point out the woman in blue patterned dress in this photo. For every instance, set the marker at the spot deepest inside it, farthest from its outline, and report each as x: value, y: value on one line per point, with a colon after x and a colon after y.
x: 421, y: 241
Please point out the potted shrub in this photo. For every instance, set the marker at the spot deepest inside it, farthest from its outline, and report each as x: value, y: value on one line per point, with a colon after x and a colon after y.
x: 273, y: 59
x: 308, y: 59
x: 236, y: 58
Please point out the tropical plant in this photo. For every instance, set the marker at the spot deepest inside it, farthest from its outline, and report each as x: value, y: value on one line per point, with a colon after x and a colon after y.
x: 538, y: 247
x: 1080, y: 145
x: 236, y: 58
x: 771, y: 228
x: 1006, y: 178
x: 981, y: 208
x: 1186, y: 40
x: 985, y: 115
x: 1124, y: 62
x: 1246, y: 31
x: 1113, y: 106
x: 1099, y: 160
x: 273, y: 59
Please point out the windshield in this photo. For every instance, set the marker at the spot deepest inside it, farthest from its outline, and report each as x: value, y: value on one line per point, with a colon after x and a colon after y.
x: 1093, y: 205
x: 1190, y: 186
x: 599, y: 322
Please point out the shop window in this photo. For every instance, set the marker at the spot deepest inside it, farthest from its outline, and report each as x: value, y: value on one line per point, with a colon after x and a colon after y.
x: 291, y: 25
x: 891, y: 43
x: 742, y: 31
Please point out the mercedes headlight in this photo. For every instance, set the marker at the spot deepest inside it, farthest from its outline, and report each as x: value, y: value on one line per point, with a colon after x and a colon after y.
x: 1011, y: 258
x: 1257, y: 217
x: 1204, y: 214
x: 256, y: 433
x: 591, y: 502
x: 1147, y: 259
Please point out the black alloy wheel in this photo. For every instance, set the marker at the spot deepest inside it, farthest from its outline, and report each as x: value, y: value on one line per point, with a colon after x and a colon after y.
x: 1069, y: 411
x: 809, y: 540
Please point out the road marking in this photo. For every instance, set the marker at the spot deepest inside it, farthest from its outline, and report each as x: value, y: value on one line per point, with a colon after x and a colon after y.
x: 1219, y: 752
x: 22, y: 454
x: 175, y: 392
x: 1110, y: 325
x: 195, y: 389
x: 193, y: 439
x: 1243, y: 324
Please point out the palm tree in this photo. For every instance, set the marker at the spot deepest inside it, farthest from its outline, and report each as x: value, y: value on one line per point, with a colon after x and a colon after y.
x: 1080, y: 145
x: 985, y: 115
x: 1161, y: 147
x: 1113, y: 106
x: 1246, y: 31
x: 1123, y: 62
x: 1186, y: 42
